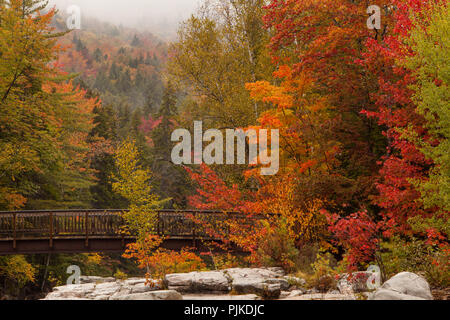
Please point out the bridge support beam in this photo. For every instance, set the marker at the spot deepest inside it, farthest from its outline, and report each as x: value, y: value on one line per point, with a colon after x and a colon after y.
x: 43, y: 246
x: 61, y: 246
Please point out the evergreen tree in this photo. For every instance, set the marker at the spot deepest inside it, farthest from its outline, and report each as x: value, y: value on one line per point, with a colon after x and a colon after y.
x: 136, y: 42
x: 106, y: 125
x: 98, y: 55
x: 171, y: 179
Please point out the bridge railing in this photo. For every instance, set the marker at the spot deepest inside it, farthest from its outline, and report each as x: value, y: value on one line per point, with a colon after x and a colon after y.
x: 52, y: 224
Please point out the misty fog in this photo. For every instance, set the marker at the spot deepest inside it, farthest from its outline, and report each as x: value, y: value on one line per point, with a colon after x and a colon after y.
x: 153, y: 15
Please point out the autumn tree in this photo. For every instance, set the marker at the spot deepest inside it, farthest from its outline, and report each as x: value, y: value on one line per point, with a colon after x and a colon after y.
x: 68, y: 183
x: 45, y: 118
x: 45, y: 121
x: 24, y: 66
x: 396, y: 110
x: 133, y: 182
x: 399, y: 61
x: 319, y: 43
x: 218, y: 50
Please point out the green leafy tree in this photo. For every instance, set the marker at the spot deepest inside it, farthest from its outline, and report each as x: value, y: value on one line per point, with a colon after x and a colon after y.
x: 431, y: 65
x: 220, y: 49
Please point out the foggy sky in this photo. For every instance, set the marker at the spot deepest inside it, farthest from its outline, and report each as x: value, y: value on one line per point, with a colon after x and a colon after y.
x: 146, y: 14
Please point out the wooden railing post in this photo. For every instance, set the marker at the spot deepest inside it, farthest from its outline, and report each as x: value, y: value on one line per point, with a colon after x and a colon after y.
x: 14, y: 230
x: 51, y: 229
x: 194, y: 233
x: 158, y: 221
x: 122, y: 230
x: 87, y: 229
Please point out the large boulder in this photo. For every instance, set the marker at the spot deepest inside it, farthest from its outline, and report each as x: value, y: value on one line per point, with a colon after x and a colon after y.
x: 273, y: 275
x: 195, y: 282
x: 404, y: 286
x: 267, y: 283
x: 384, y: 294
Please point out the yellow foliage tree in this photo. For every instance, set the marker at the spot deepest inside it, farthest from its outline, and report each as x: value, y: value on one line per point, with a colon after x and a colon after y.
x: 132, y: 181
x: 17, y: 268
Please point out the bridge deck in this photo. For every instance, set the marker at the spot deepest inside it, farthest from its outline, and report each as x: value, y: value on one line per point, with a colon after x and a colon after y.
x: 77, y: 231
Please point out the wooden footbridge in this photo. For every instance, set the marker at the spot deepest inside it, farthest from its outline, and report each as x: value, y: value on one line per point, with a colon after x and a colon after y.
x: 82, y: 231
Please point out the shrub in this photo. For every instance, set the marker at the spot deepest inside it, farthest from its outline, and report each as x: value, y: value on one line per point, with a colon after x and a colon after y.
x: 276, y: 248
x: 357, y: 234
x: 324, y: 276
x: 158, y: 262
x: 416, y: 255
x: 307, y: 256
x: 164, y: 261
x: 120, y: 275
x: 226, y: 261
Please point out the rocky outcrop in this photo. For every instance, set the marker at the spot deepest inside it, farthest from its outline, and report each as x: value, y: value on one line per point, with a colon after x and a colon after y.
x: 229, y: 284
x: 96, y: 288
x: 265, y: 282
x: 403, y: 286
x: 241, y: 284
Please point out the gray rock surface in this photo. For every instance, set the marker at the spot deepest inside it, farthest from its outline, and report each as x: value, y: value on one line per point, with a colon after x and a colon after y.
x: 245, y: 283
x: 94, y: 279
x: 210, y: 281
x: 151, y: 295
x: 241, y: 284
x: 385, y: 294
x: 404, y: 286
x: 267, y: 283
x: 321, y: 296
x: 102, y: 290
